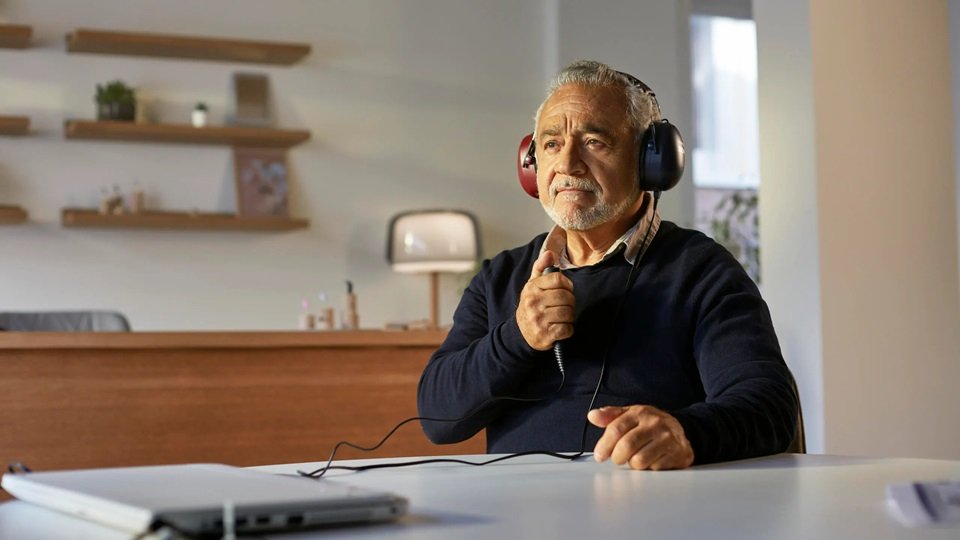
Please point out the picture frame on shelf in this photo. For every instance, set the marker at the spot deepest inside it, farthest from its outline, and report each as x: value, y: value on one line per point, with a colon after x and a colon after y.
x: 251, y: 101
x: 261, y: 182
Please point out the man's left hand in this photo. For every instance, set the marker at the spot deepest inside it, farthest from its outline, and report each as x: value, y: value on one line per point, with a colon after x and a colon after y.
x: 641, y: 435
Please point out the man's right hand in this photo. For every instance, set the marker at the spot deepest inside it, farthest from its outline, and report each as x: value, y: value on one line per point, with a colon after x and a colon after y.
x: 546, y: 310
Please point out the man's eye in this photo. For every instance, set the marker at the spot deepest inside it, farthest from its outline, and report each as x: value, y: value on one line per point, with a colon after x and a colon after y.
x: 595, y: 143
x: 550, y: 144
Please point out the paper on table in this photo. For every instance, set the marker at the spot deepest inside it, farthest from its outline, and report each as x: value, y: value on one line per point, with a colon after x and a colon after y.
x: 925, y: 503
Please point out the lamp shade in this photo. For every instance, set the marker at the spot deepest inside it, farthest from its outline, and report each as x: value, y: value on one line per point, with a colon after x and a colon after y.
x: 433, y: 241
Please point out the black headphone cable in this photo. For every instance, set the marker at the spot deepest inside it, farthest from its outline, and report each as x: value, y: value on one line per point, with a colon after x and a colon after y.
x: 318, y: 473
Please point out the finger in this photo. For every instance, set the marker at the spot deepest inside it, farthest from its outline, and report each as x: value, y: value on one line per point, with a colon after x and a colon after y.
x: 667, y: 462
x: 551, y: 298
x: 555, y: 282
x: 639, y: 441
x: 548, y: 307
x: 659, y: 455
x: 673, y: 460
x: 604, y: 415
x: 559, y: 315
x: 611, y: 435
x: 547, y: 258
x: 642, y: 462
x: 544, y: 339
x: 560, y: 331
x: 679, y: 456
x: 662, y: 453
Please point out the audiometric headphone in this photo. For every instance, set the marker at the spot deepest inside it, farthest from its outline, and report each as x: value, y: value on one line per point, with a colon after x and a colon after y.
x: 661, y: 152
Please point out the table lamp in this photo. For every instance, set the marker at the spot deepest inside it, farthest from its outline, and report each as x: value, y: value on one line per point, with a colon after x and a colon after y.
x: 430, y: 242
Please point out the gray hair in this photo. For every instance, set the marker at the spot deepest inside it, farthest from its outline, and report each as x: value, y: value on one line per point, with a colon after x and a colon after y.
x: 641, y: 108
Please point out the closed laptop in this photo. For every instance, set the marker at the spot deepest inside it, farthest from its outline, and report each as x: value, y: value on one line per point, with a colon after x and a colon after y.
x: 193, y: 499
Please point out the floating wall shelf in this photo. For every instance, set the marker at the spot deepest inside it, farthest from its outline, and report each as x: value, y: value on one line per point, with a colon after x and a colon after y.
x: 184, y: 133
x: 14, y: 125
x: 198, y: 221
x: 86, y: 40
x: 15, y: 36
x: 12, y: 215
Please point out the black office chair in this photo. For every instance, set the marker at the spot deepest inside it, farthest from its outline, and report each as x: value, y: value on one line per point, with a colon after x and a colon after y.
x: 799, y: 443
x: 63, y: 321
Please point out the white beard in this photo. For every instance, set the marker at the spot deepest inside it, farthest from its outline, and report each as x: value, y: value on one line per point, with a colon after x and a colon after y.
x: 584, y: 219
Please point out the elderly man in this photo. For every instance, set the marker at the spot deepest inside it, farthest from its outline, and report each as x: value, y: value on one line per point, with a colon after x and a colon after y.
x: 668, y: 362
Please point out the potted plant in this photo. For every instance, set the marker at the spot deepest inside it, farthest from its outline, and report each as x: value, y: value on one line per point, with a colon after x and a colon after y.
x: 735, y: 225
x: 116, y: 101
x: 199, y: 115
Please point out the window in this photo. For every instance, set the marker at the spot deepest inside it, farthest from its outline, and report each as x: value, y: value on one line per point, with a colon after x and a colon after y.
x: 726, y: 154
x: 725, y: 157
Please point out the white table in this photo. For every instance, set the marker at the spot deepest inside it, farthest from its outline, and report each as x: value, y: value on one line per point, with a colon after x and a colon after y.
x: 779, y: 497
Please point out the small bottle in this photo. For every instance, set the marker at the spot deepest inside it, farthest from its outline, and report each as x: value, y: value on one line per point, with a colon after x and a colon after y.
x: 136, y: 199
x: 116, y: 201
x: 104, y: 201
x: 325, y: 316
x: 351, y: 320
x: 328, y: 318
x: 307, y: 320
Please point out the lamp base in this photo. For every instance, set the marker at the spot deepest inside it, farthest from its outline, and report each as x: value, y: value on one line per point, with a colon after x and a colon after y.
x: 434, y: 299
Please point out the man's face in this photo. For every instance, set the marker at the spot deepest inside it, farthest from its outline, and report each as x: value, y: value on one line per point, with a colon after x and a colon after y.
x: 586, y: 157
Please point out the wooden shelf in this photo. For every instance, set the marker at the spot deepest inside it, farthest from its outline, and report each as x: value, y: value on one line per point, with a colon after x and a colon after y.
x: 15, y: 36
x: 87, y: 40
x: 14, y: 125
x: 184, y: 133
x: 12, y: 215
x: 76, y: 218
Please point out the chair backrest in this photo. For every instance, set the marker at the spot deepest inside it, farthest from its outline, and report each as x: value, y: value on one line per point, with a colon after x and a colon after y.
x: 63, y: 321
x: 799, y: 443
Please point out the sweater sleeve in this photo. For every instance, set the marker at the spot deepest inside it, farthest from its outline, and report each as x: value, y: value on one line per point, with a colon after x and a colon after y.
x: 478, y: 362
x: 751, y: 407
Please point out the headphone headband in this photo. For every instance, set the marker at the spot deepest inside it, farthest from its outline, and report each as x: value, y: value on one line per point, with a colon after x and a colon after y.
x: 646, y: 90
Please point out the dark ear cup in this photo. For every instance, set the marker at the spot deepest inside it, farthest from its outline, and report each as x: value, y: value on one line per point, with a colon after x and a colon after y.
x: 661, y: 157
x: 527, y: 166
x: 661, y: 160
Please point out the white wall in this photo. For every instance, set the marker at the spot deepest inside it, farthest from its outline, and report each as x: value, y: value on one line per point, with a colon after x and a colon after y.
x: 414, y: 104
x: 860, y: 233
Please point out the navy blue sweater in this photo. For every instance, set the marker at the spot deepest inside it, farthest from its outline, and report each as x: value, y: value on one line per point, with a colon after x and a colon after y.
x: 694, y: 338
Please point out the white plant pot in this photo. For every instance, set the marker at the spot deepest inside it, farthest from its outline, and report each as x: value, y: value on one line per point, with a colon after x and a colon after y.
x: 199, y: 118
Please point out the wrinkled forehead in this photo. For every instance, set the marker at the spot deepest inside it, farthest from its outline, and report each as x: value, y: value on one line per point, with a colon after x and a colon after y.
x: 574, y: 106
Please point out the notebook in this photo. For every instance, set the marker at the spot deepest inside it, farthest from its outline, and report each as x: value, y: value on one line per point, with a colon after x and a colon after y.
x: 192, y: 498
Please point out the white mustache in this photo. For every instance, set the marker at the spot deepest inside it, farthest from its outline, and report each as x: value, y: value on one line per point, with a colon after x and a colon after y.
x: 574, y: 183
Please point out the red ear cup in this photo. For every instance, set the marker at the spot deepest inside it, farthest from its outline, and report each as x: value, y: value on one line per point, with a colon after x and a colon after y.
x: 527, y: 166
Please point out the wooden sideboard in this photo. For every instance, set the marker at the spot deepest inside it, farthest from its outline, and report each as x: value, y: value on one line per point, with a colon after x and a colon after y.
x: 70, y: 400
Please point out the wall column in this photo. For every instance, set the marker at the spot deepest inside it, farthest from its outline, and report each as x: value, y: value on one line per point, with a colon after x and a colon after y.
x: 858, y: 217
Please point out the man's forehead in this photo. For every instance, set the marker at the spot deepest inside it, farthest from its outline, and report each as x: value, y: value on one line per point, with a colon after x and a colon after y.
x: 557, y: 128
x: 590, y: 108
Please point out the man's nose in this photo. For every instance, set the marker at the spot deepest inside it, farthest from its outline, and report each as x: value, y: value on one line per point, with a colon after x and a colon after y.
x: 569, y: 161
